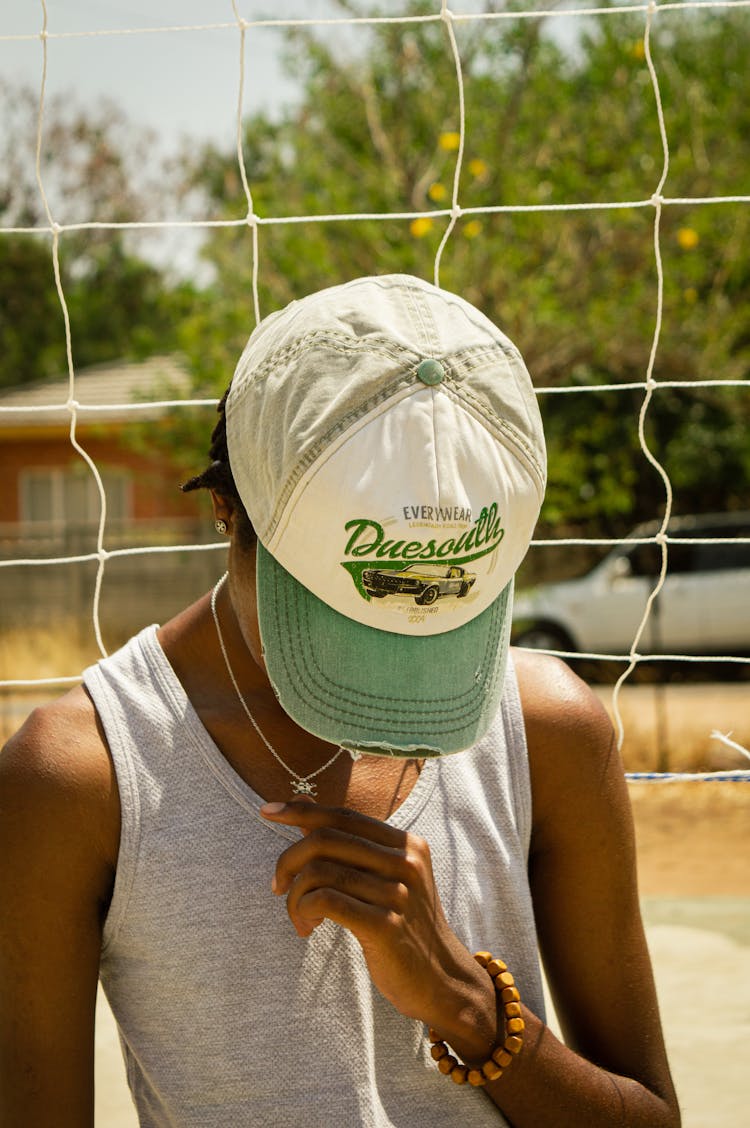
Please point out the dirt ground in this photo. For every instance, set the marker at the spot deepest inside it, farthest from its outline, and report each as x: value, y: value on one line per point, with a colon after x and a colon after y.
x: 693, y: 839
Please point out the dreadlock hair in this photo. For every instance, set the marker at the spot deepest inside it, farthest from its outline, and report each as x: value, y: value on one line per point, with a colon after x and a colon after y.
x: 218, y: 477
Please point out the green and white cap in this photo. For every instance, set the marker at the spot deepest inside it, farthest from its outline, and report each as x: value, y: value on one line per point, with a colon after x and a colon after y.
x: 385, y: 439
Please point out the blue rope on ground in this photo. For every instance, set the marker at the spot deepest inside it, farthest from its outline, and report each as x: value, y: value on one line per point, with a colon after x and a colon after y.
x: 693, y: 777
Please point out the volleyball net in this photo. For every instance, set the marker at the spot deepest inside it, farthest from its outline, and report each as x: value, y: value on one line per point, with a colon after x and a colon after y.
x: 449, y: 212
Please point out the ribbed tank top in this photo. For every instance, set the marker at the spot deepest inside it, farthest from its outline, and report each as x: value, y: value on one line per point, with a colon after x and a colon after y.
x: 227, y: 1018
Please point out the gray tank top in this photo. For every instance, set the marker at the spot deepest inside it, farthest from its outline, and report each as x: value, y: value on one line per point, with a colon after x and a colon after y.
x: 227, y: 1018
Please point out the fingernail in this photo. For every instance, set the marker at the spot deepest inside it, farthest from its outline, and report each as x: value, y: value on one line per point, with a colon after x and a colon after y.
x: 272, y: 808
x: 274, y: 884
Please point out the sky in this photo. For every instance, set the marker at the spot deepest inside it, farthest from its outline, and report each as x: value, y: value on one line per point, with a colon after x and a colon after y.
x: 180, y: 84
x: 183, y: 83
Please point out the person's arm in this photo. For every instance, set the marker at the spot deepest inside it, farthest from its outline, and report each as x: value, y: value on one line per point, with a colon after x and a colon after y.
x: 59, y: 822
x: 613, y: 1068
x: 377, y: 881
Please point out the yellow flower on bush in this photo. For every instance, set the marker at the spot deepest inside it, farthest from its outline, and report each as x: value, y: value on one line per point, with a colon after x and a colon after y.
x: 472, y: 229
x: 437, y: 192
x: 690, y: 295
x: 478, y: 167
x: 688, y: 238
x: 449, y: 141
x: 420, y: 226
x: 638, y: 50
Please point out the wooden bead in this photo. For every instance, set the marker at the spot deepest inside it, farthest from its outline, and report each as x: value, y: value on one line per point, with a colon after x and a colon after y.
x: 494, y: 967
x: 512, y: 1010
x: 491, y: 1070
x: 476, y: 1077
x: 446, y: 1064
x: 513, y: 1044
x: 510, y: 995
x: 504, y: 979
x: 438, y: 1051
x: 502, y: 1058
x: 515, y: 1025
x: 459, y: 1074
x: 483, y: 958
x: 434, y: 1036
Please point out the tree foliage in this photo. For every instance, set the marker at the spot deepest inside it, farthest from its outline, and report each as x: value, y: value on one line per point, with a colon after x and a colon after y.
x: 376, y: 132
x: 120, y: 304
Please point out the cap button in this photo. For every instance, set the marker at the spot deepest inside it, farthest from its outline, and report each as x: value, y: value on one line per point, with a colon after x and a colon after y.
x: 430, y: 372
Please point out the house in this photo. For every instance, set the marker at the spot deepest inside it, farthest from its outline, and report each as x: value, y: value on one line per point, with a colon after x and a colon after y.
x: 50, y: 497
x: 50, y: 502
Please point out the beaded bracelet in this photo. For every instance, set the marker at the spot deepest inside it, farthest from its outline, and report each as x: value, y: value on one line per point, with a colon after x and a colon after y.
x: 512, y: 1041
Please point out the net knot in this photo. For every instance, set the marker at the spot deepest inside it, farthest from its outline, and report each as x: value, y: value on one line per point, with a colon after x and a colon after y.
x: 657, y: 199
x: 72, y: 404
x: 252, y: 219
x: 456, y: 211
x: 446, y: 14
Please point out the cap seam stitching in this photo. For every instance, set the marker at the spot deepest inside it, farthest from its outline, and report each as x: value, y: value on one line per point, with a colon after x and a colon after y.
x: 460, y: 712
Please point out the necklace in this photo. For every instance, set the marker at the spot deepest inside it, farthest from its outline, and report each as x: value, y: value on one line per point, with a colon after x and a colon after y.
x: 301, y: 785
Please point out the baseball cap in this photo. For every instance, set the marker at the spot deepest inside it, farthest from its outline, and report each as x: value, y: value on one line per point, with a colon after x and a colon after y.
x: 385, y: 440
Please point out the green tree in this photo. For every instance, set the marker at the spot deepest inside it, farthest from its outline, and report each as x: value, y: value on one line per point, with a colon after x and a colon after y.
x: 31, y: 324
x: 376, y: 132
x: 120, y: 303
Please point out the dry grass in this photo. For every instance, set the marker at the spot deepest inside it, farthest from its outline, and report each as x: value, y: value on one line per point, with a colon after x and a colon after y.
x: 670, y: 727
x: 693, y: 838
x: 59, y: 651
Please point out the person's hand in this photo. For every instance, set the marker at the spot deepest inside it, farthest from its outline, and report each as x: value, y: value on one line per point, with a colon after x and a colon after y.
x: 377, y: 881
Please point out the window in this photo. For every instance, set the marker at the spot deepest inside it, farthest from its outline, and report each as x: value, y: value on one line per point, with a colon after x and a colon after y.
x: 714, y: 556
x: 645, y: 559
x: 719, y: 557
x: 69, y: 496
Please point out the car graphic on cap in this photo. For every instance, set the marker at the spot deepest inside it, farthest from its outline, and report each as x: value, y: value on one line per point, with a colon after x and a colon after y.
x: 426, y: 582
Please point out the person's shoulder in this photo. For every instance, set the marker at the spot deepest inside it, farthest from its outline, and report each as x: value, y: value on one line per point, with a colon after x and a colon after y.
x: 559, y: 708
x: 56, y: 773
x: 59, y: 739
x: 571, y: 742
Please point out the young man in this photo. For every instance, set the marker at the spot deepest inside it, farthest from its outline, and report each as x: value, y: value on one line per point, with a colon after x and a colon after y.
x: 280, y: 826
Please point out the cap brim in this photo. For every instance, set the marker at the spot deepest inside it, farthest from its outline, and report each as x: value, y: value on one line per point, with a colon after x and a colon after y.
x: 384, y: 693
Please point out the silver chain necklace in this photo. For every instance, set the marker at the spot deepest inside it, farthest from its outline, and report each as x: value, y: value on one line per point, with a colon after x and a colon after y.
x: 301, y: 785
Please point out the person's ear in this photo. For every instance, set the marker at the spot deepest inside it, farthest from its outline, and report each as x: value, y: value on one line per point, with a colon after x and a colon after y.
x: 223, y: 512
